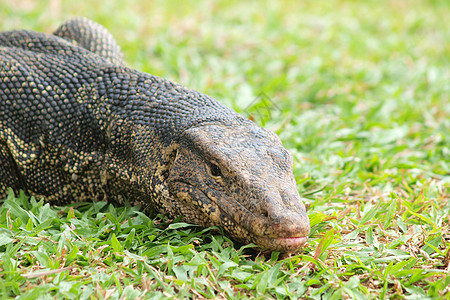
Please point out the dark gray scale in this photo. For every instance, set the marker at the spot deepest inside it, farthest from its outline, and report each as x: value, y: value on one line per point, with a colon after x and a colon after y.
x: 9, y: 173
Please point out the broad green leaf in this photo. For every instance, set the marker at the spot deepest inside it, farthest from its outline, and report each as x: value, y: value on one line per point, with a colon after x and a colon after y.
x: 115, y: 244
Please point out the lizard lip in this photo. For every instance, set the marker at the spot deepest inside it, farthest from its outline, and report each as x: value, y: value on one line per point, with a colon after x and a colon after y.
x: 291, y: 242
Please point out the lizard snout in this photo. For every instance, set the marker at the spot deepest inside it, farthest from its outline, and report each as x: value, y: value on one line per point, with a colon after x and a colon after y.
x: 286, y: 216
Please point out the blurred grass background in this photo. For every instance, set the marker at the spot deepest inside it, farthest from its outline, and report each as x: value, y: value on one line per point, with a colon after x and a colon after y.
x: 296, y: 51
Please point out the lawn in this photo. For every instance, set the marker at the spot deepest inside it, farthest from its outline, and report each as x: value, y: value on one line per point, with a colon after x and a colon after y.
x: 358, y: 91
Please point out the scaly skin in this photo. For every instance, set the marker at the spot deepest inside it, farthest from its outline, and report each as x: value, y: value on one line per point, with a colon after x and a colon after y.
x: 77, y: 125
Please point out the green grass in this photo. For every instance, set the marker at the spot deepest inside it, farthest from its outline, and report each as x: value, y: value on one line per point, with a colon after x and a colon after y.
x: 359, y: 93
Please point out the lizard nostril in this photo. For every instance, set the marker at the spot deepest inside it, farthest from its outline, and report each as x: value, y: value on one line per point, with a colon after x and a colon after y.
x: 264, y: 212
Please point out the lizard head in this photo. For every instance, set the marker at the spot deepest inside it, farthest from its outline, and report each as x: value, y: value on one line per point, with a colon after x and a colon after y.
x: 239, y: 178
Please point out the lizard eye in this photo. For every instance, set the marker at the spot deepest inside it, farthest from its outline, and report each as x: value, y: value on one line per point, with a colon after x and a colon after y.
x: 215, y: 170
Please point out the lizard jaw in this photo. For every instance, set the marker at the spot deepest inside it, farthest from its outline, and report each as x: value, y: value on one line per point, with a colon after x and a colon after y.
x: 286, y: 241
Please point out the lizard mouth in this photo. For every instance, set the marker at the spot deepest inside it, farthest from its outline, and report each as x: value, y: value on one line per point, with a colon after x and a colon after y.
x: 247, y: 228
x: 291, y: 242
x: 285, y: 244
